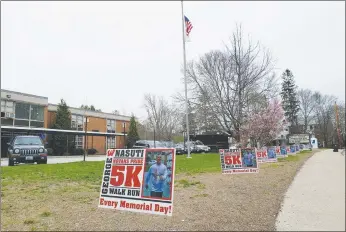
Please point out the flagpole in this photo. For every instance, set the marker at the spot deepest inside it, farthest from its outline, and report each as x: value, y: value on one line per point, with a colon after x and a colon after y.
x: 185, y: 78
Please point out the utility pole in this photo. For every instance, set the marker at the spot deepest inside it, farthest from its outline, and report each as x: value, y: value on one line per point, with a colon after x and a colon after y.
x: 124, y: 126
x: 85, y: 137
x: 85, y: 129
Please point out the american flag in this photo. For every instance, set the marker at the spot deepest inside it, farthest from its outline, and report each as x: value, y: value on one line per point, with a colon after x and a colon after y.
x: 188, y: 26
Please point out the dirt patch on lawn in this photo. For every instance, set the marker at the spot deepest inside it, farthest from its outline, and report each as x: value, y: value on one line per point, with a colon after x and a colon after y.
x: 205, y: 202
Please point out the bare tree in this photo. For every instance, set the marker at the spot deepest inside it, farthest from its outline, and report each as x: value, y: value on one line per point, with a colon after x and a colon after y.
x: 342, y: 127
x: 342, y: 114
x: 324, y: 110
x: 162, y: 116
x: 230, y: 81
x: 307, y: 105
x: 201, y: 117
x: 341, y: 124
x: 205, y: 120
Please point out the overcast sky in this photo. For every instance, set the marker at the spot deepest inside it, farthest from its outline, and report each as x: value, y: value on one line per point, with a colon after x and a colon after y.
x: 110, y: 54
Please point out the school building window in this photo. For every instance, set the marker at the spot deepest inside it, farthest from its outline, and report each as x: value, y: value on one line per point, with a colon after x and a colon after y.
x: 110, y: 125
x: 37, y: 113
x: 77, y: 122
x: 7, y: 107
x: 73, y: 122
x: 7, y: 112
x: 24, y: 114
x: 22, y: 111
x: 79, y: 141
x: 110, y: 142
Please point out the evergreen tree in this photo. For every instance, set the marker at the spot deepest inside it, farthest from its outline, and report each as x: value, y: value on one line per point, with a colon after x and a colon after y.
x: 62, y: 122
x: 132, y: 135
x: 290, y: 102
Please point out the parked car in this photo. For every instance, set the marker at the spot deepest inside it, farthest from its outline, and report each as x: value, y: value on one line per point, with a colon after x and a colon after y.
x: 200, y: 147
x: 180, y: 149
x: 26, y: 149
x: 142, y: 144
x: 167, y: 144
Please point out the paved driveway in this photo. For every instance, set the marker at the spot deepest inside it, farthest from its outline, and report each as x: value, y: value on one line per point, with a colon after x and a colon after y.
x: 315, y: 201
x: 65, y: 159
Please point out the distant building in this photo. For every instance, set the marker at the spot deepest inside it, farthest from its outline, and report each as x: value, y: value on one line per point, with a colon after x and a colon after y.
x: 23, y: 113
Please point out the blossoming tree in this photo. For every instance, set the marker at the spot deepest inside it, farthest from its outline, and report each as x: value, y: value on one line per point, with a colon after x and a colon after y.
x: 264, y: 125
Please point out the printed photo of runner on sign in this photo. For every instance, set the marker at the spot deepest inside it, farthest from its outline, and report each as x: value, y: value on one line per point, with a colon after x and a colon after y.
x: 272, y: 155
x: 297, y: 148
x: 293, y: 149
x: 235, y: 161
x: 158, y: 174
x: 249, y: 158
x: 278, y: 151
x: 125, y: 185
x: 283, y: 152
x: 261, y: 155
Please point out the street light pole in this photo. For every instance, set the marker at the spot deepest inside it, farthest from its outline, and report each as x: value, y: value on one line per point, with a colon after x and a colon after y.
x: 85, y: 137
x: 85, y: 129
x: 124, y: 126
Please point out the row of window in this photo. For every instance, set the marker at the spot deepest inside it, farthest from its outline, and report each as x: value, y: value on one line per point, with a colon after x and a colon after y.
x: 79, y: 142
x: 30, y: 115
x: 31, y: 112
x: 77, y: 122
x: 22, y: 111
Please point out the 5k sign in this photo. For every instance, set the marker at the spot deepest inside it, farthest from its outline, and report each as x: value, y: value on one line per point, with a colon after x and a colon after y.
x: 262, y: 156
x: 126, y: 176
x: 232, y: 159
x: 122, y: 183
x: 235, y: 161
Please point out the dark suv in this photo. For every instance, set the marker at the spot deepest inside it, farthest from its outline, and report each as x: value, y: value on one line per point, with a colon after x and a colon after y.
x: 26, y: 149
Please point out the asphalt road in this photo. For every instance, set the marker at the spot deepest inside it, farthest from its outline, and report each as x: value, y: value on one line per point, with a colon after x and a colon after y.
x: 315, y: 201
x: 64, y: 159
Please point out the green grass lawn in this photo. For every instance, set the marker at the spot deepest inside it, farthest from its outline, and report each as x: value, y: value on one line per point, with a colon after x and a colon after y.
x: 297, y: 157
x: 92, y: 171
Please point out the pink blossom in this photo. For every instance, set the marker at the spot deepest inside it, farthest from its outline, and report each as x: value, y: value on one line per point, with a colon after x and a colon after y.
x: 265, y: 125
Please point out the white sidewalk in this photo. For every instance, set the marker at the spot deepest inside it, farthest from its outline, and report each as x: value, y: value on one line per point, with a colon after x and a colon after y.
x: 315, y: 200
